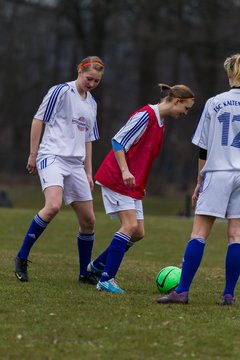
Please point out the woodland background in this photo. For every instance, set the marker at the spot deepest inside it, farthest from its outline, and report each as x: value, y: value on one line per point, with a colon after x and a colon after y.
x: 142, y: 43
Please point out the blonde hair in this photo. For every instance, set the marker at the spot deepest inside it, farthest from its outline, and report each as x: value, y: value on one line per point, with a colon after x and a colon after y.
x: 91, y: 61
x: 181, y: 92
x: 232, y: 66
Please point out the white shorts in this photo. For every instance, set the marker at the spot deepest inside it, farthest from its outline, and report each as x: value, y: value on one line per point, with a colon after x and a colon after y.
x: 220, y: 195
x: 115, y: 202
x: 66, y: 172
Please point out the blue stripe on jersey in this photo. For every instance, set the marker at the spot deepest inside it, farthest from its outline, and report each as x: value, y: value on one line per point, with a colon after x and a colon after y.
x: 52, y: 102
x: 141, y: 122
x: 95, y: 131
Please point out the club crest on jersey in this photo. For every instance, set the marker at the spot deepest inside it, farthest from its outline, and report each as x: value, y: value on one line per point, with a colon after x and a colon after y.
x: 81, y: 123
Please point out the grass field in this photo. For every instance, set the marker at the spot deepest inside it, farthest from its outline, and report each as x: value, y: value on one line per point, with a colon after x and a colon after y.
x: 54, y: 317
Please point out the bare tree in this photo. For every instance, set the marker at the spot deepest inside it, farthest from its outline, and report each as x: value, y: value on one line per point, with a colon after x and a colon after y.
x: 141, y: 44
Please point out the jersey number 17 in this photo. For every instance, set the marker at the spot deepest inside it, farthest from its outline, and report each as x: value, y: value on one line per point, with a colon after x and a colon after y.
x: 225, y: 119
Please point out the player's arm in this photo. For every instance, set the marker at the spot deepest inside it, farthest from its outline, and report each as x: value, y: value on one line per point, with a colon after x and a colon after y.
x: 124, y: 139
x: 201, y: 163
x: 35, y: 136
x: 88, y: 163
x: 119, y: 152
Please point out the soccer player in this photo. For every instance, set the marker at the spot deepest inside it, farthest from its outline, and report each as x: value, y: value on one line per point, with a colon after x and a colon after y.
x: 63, y: 160
x: 217, y: 193
x: 124, y: 173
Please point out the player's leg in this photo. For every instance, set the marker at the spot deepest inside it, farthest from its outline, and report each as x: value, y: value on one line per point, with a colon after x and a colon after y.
x: 114, y: 203
x: 77, y: 193
x: 194, y: 250
x: 51, y: 178
x: 85, y: 238
x: 192, y: 258
x: 97, y: 266
x: 130, y: 213
x: 140, y: 231
x: 117, y: 249
x: 53, y: 201
x: 232, y: 262
x: 209, y: 206
x: 137, y: 235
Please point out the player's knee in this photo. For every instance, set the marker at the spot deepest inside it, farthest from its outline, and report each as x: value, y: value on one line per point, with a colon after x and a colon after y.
x: 138, y: 235
x: 130, y: 228
x: 52, y: 209
x: 87, y: 224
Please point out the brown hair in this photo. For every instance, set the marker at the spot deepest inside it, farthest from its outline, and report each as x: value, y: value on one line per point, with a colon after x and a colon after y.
x: 181, y: 92
x: 91, y: 61
x: 232, y: 66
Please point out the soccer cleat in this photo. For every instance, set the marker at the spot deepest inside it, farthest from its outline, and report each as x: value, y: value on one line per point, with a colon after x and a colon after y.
x: 109, y: 286
x: 21, y: 269
x: 93, y: 270
x: 227, y: 300
x: 89, y: 279
x: 174, y: 298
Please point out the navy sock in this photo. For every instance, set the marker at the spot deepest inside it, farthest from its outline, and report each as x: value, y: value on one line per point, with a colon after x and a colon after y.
x: 232, y: 268
x: 100, y: 261
x: 116, y: 252
x: 85, y: 245
x: 35, y: 230
x: 191, y: 261
x: 129, y: 245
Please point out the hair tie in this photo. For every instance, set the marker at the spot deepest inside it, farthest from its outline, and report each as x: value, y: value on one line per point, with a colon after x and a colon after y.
x: 91, y: 63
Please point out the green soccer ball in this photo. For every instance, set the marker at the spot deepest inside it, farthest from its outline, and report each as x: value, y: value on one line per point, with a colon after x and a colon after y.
x: 168, y: 279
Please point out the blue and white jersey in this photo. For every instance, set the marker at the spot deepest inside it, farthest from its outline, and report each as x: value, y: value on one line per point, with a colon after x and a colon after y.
x: 131, y: 132
x: 218, y: 132
x: 70, y: 121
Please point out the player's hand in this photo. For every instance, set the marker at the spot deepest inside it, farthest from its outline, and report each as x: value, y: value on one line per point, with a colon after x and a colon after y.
x: 195, y: 194
x: 128, y: 178
x: 31, y: 164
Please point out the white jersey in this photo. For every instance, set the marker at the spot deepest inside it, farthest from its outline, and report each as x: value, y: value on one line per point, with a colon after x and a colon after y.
x: 70, y: 121
x: 130, y: 133
x: 218, y: 132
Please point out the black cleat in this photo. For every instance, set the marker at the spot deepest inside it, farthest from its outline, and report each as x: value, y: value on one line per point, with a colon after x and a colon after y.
x: 21, y: 269
x: 89, y: 279
x: 95, y: 271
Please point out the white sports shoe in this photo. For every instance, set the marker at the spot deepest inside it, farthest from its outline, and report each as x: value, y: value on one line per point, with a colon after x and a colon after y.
x: 110, y: 286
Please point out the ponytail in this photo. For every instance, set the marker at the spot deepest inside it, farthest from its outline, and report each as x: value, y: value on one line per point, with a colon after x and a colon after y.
x: 181, y: 92
x: 164, y: 87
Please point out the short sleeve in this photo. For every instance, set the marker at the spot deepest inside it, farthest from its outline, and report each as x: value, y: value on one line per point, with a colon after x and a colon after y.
x: 133, y: 130
x: 51, y: 103
x: 200, y: 137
